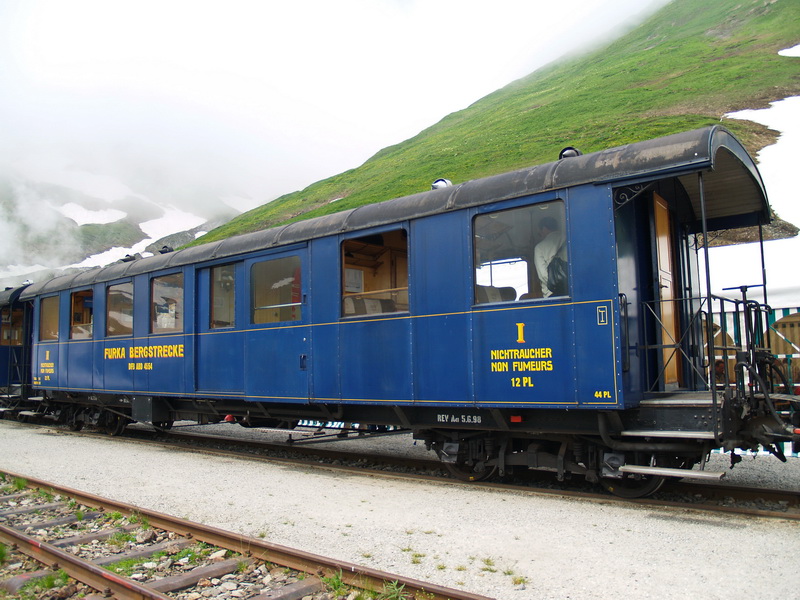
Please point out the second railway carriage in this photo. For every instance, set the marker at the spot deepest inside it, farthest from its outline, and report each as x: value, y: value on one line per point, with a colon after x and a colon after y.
x: 14, y: 346
x: 443, y: 313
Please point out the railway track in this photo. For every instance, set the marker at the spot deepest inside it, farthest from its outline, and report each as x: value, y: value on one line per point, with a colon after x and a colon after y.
x: 132, y: 553
x: 703, y: 496
x: 709, y: 497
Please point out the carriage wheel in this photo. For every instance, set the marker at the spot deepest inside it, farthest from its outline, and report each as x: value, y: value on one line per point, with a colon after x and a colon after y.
x: 471, y: 473
x: 634, y: 485
x: 73, y: 419
x: 115, y: 424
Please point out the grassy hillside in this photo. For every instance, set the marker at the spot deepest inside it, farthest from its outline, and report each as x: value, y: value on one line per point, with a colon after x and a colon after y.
x: 683, y: 68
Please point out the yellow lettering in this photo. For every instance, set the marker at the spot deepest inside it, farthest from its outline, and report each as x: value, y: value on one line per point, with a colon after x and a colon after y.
x: 112, y: 353
x: 160, y: 351
x: 520, y: 333
x: 521, y: 353
x: 532, y: 365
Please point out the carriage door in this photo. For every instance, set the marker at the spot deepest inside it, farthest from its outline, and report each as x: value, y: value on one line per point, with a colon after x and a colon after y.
x: 220, y: 339
x: 277, y: 363
x: 670, y: 360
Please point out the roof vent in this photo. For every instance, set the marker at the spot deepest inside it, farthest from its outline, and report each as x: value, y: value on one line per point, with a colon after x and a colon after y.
x: 441, y: 183
x: 569, y: 152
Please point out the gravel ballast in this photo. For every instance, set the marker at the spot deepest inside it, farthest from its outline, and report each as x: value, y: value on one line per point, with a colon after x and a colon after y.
x: 502, y: 544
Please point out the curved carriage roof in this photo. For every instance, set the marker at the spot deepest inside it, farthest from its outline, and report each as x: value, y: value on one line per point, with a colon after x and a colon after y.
x: 10, y: 295
x: 733, y: 189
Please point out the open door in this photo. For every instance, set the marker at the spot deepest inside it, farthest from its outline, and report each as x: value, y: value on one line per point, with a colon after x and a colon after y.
x: 670, y: 359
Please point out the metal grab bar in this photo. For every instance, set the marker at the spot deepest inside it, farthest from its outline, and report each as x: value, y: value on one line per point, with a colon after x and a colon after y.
x: 625, y: 332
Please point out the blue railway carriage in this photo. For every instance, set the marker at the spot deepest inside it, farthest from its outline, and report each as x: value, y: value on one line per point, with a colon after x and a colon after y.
x: 550, y: 318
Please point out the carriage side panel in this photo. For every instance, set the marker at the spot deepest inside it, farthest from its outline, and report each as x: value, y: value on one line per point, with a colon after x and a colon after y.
x: 596, y: 308
x: 440, y: 300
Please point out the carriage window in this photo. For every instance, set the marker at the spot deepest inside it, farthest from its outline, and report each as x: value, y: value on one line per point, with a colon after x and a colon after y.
x: 166, y: 302
x: 222, y: 296
x: 119, y: 309
x: 81, y: 315
x: 521, y: 254
x: 48, y: 318
x: 375, y: 274
x: 276, y: 290
x: 11, y: 327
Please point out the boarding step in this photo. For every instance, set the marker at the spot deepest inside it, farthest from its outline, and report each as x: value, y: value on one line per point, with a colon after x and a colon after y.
x: 662, y: 433
x: 666, y: 472
x: 29, y: 413
x: 782, y: 398
x: 678, y: 399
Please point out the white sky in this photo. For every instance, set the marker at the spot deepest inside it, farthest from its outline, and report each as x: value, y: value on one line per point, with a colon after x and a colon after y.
x: 250, y: 100
x: 246, y: 101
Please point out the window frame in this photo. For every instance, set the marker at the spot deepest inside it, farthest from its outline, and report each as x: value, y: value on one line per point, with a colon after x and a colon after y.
x: 532, y: 288
x: 14, y: 323
x: 108, y: 306
x: 43, y: 310
x: 212, y: 313
x: 78, y: 330
x: 179, y: 306
x: 361, y: 253
x: 296, y: 304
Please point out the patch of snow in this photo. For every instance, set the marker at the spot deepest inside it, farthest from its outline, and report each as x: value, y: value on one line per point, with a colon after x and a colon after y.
x: 173, y: 221
x: 84, y: 216
x: 793, y: 51
x: 740, y: 264
x: 200, y: 234
x: 777, y: 162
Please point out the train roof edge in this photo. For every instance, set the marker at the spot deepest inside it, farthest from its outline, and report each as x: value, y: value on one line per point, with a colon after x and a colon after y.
x: 734, y: 195
x: 10, y: 295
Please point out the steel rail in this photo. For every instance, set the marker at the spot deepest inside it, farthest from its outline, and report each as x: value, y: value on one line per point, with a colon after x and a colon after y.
x: 712, y: 492
x: 351, y: 574
x: 82, y: 570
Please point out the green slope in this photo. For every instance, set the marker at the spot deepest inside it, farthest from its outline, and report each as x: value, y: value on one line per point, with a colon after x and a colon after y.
x: 683, y: 68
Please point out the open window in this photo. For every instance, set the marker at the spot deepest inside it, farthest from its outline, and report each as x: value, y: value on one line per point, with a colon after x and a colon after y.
x: 521, y: 253
x: 375, y: 274
x: 82, y: 304
x: 119, y: 309
x: 166, y: 303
